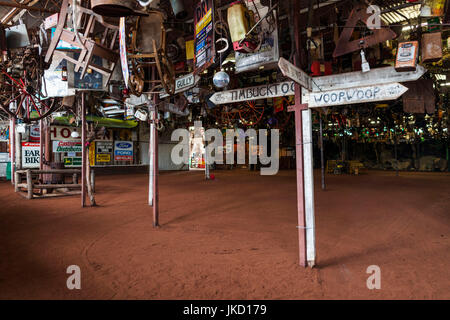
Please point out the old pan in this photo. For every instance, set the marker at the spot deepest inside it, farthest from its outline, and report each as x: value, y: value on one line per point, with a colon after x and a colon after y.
x: 115, y: 8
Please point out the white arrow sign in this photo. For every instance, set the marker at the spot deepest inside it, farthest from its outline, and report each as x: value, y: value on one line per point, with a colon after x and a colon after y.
x: 382, y: 92
x: 365, y: 79
x: 294, y: 73
x: 254, y: 93
x: 182, y: 84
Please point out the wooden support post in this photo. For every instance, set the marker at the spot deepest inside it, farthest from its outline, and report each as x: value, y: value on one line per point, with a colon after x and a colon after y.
x: 207, y: 175
x: 322, y: 159
x: 83, y: 150
x: 18, y: 147
x: 155, y: 169
x: 75, y: 178
x: 395, y: 150
x: 17, y: 181
x: 29, y: 185
x: 47, y: 142
x: 300, y: 178
x: 41, y: 144
x: 93, y: 180
x: 308, y: 173
x: 150, y: 157
x: 12, y: 147
x: 299, y: 141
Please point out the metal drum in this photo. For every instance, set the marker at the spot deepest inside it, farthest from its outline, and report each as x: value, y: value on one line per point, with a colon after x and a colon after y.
x: 113, y: 8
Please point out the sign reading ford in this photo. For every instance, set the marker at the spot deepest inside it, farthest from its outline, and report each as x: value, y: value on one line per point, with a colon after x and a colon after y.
x: 123, y: 151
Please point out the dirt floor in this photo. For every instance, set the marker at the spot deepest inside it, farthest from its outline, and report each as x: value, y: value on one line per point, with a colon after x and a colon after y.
x: 232, y: 238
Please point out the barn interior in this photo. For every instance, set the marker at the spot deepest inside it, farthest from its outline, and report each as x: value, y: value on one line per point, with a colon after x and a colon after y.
x: 351, y: 98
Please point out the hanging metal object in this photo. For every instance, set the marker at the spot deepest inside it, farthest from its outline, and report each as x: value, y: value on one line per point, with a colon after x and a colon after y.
x: 221, y: 79
x: 178, y: 9
x: 115, y: 8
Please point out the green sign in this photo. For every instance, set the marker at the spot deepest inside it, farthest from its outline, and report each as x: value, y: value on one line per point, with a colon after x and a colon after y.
x: 69, y: 146
x: 72, y: 161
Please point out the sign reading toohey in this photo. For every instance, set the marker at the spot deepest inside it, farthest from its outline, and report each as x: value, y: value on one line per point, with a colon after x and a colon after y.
x: 254, y: 93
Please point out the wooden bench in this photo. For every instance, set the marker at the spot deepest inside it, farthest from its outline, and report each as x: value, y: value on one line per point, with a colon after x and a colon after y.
x: 32, y: 183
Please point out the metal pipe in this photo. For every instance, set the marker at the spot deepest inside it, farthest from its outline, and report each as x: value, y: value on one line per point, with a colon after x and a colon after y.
x: 12, y: 147
x: 150, y: 157
x: 41, y: 144
x: 155, y: 167
x: 322, y: 160
x: 154, y: 146
x: 298, y: 57
x: 395, y: 150
x: 83, y: 150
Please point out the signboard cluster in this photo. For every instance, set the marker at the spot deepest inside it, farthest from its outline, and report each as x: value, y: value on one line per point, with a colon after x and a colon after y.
x: 204, y: 51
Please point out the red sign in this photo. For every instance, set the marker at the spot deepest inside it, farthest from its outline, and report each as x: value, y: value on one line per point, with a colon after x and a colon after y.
x: 35, y: 133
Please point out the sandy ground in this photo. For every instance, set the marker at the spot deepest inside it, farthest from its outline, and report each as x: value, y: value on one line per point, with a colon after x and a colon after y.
x: 232, y: 238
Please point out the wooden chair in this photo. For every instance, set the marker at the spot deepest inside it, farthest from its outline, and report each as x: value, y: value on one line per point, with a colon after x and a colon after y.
x: 88, y: 47
x: 148, y: 49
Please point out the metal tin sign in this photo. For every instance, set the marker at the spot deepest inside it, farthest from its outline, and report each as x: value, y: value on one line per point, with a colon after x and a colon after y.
x: 64, y: 133
x: 382, y: 92
x: 103, y: 158
x: 104, y: 147
x: 30, y: 155
x: 268, y: 54
x: 182, y: 84
x: 204, y: 51
x: 254, y: 93
x: 123, y: 151
x: 68, y: 146
x: 35, y: 133
x: 72, y: 162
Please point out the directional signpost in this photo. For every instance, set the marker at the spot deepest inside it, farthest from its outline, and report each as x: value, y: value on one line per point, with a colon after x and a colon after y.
x: 294, y: 73
x: 182, y: 84
x: 254, y: 93
x: 365, y: 79
x: 349, y: 88
x: 382, y: 92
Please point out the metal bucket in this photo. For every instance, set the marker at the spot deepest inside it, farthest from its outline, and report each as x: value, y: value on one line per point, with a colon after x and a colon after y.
x: 113, y: 8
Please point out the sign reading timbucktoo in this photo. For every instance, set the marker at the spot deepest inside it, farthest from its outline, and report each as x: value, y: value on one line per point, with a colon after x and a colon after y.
x: 382, y: 92
x: 254, y: 93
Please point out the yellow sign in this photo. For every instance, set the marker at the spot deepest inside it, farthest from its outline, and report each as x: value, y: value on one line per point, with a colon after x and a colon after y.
x: 103, y: 158
x: 92, y: 154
